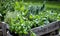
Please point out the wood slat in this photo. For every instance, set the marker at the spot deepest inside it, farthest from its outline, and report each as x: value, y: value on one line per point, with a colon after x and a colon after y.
x: 46, y: 29
x: 3, y: 29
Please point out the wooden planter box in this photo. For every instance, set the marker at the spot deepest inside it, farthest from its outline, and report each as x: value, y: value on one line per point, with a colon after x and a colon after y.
x: 51, y: 29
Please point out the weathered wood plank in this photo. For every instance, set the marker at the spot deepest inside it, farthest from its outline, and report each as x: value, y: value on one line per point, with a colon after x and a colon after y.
x: 46, y: 29
x: 3, y: 29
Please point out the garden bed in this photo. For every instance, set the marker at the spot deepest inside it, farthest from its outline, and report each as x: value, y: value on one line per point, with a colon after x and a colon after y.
x: 28, y: 19
x: 41, y: 31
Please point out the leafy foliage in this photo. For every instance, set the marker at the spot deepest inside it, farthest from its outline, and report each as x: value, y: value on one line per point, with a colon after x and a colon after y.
x: 6, y: 5
x: 22, y: 17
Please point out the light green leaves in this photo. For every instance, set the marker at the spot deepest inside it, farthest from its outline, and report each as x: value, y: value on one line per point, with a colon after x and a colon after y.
x: 25, y: 17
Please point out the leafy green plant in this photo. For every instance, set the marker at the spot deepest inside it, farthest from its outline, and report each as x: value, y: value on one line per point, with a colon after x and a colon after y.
x: 6, y: 5
x: 16, y: 21
x: 25, y: 17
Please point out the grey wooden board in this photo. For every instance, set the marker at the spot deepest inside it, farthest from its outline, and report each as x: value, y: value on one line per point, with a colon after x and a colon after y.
x: 46, y: 29
x: 3, y: 29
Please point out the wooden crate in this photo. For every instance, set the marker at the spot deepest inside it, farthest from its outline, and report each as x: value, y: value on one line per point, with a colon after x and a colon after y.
x: 52, y: 29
